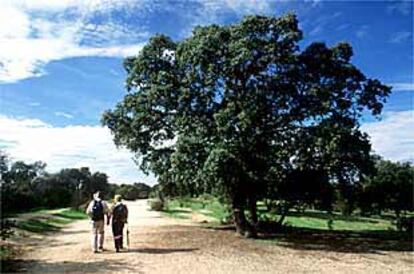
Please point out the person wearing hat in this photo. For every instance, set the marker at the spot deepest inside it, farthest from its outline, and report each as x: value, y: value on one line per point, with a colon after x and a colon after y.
x: 119, y: 216
x: 96, y: 210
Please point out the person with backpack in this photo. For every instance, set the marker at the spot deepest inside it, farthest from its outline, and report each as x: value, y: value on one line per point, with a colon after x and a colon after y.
x: 119, y: 216
x: 96, y: 210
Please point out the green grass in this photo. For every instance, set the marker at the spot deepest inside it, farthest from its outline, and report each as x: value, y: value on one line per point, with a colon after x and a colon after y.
x: 320, y: 220
x: 208, y: 206
x: 72, y: 214
x: 44, y: 221
x: 5, y: 252
x: 313, y: 219
x: 37, y: 226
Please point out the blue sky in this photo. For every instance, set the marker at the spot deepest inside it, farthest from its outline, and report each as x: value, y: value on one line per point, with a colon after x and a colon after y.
x: 61, y: 67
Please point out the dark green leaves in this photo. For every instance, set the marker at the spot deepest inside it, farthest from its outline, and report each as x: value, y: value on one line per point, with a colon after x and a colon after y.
x: 231, y: 106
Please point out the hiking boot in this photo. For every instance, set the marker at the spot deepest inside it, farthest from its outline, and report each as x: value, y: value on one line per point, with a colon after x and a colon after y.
x: 95, y: 251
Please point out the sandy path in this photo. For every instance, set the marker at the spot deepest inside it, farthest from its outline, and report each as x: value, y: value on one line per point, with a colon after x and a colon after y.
x: 165, y: 245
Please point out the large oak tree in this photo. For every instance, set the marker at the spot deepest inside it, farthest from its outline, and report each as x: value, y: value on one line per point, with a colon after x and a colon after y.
x: 237, y: 109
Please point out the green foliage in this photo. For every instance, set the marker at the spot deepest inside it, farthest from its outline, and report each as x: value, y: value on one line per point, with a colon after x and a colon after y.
x: 390, y: 188
x: 235, y: 110
x: 27, y: 186
x: 134, y: 192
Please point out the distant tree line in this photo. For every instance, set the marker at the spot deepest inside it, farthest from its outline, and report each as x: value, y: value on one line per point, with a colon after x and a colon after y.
x: 25, y: 186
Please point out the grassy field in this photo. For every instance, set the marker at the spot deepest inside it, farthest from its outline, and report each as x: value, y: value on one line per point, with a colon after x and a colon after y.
x: 38, y: 222
x: 208, y: 206
x: 49, y: 220
x: 312, y: 219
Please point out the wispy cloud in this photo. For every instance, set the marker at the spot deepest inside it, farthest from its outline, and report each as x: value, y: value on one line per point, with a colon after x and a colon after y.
x: 316, y: 30
x: 362, y: 32
x: 44, y: 31
x: 34, y: 104
x: 393, y: 137
x: 314, y: 3
x: 343, y: 26
x: 402, y: 7
x: 402, y: 86
x: 400, y: 37
x: 64, y: 114
x: 322, y: 22
x: 70, y: 146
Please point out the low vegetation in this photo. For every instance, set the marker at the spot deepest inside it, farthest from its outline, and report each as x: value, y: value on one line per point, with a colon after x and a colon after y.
x: 207, y: 205
x: 35, y: 222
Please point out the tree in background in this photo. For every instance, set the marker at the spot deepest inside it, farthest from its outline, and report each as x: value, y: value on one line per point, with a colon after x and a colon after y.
x: 26, y: 186
x: 390, y: 188
x: 134, y: 191
x: 236, y: 109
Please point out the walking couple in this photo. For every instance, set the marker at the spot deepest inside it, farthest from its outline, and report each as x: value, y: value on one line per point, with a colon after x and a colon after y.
x: 118, y: 213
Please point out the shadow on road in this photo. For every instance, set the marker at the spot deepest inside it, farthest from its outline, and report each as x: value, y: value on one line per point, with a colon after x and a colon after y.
x: 161, y: 250
x: 368, y: 241
x: 343, y: 241
x: 26, y: 266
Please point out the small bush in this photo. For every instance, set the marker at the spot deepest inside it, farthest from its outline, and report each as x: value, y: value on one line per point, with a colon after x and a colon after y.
x: 156, y: 205
x: 6, y: 228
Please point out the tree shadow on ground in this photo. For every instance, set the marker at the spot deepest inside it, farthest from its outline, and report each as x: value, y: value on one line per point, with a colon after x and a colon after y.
x: 161, y: 250
x: 172, y: 211
x: 370, y: 241
x: 334, y: 217
x: 26, y: 266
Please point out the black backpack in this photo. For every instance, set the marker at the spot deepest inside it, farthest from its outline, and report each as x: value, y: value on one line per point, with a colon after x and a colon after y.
x: 120, y: 213
x: 97, y: 211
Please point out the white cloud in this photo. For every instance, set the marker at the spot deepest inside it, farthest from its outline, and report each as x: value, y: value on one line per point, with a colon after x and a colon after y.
x: 404, y: 7
x: 393, y: 137
x: 362, y: 31
x: 402, y: 86
x: 64, y: 114
x: 71, y: 146
x: 322, y: 22
x: 343, y: 26
x: 44, y: 31
x: 316, y: 30
x: 400, y: 37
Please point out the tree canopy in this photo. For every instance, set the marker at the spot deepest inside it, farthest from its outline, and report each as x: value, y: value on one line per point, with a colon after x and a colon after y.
x: 240, y: 109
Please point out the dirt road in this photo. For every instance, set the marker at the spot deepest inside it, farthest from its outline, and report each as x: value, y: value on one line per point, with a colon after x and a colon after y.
x: 165, y: 245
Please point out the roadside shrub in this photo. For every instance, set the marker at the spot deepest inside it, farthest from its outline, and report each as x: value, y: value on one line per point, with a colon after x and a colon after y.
x: 156, y: 205
x: 406, y: 224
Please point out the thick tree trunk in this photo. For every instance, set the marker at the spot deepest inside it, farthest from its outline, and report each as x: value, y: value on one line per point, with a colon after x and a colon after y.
x: 240, y: 221
x: 243, y: 227
x: 253, y: 210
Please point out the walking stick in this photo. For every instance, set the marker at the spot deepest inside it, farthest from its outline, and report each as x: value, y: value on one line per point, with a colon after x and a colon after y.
x: 127, y: 235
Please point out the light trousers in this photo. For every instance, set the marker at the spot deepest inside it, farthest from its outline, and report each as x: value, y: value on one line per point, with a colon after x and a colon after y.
x: 98, y: 233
